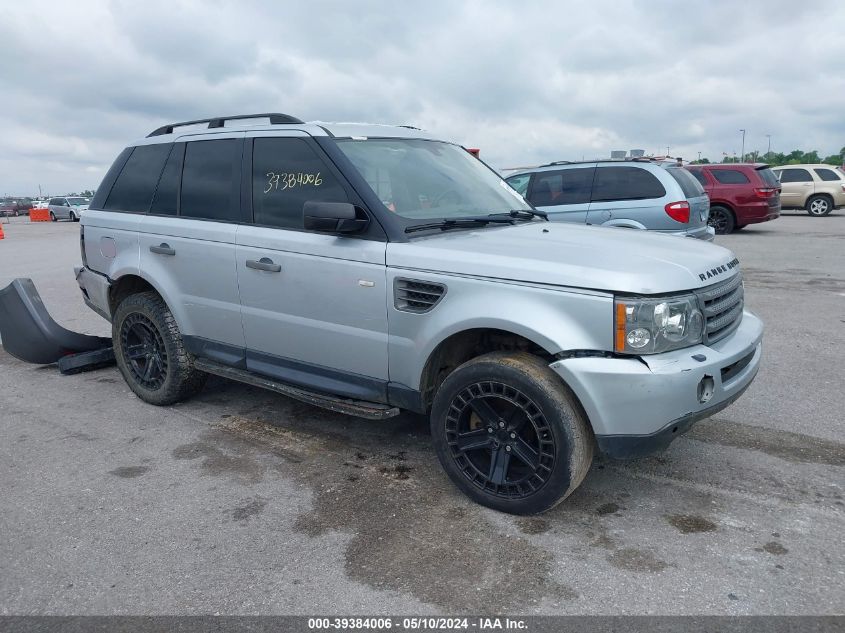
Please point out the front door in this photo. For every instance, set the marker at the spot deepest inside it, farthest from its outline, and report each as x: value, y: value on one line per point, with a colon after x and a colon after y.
x: 314, y: 306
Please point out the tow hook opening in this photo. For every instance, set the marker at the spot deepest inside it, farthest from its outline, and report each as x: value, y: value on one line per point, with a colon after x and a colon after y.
x: 706, y: 387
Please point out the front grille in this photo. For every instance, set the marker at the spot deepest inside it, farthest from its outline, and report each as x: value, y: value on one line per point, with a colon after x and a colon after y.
x: 410, y: 295
x: 722, y: 306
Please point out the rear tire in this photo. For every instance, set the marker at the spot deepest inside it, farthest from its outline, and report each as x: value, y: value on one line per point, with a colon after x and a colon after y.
x: 150, y: 353
x: 818, y: 206
x: 722, y: 220
x: 510, y: 434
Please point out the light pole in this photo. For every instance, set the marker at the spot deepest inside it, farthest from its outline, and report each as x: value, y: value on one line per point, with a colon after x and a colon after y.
x: 742, y: 158
x: 699, y: 157
x: 769, y: 149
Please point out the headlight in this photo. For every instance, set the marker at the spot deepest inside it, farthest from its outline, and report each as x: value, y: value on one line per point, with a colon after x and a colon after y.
x: 651, y: 326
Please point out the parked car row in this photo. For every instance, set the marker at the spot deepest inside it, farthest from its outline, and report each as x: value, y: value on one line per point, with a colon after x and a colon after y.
x: 63, y: 208
x: 660, y: 196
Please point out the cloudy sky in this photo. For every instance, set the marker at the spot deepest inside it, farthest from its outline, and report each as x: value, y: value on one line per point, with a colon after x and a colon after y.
x: 524, y: 81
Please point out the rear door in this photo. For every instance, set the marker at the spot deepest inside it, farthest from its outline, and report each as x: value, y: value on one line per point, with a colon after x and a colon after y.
x: 796, y: 186
x: 563, y: 193
x: 314, y: 305
x: 187, y: 243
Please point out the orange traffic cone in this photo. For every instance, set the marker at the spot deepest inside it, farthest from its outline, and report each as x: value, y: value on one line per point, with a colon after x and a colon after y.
x: 1, y: 232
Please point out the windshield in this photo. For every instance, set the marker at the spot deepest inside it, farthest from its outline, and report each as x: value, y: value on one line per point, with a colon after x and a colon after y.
x: 425, y: 180
x: 77, y: 201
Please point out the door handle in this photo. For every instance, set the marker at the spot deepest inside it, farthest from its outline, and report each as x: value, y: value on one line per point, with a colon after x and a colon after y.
x: 163, y: 249
x: 265, y: 263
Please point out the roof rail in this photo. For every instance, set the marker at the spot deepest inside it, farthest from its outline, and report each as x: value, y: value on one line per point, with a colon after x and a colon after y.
x: 275, y: 119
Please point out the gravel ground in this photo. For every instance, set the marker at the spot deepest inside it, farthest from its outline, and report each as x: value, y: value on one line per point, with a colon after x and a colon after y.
x: 246, y: 502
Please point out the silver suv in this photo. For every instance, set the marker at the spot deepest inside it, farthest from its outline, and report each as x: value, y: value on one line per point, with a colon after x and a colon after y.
x: 370, y: 269
x: 633, y: 194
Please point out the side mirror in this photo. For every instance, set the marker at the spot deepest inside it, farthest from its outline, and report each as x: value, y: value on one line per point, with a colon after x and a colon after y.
x: 333, y: 217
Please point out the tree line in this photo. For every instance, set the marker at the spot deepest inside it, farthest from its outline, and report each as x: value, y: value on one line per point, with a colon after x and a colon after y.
x: 776, y: 159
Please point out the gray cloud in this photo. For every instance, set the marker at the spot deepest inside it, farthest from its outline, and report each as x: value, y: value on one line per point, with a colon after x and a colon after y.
x: 525, y: 82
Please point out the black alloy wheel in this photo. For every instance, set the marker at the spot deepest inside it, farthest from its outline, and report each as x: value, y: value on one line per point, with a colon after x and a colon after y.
x: 145, y: 351
x: 500, y: 440
x: 721, y: 219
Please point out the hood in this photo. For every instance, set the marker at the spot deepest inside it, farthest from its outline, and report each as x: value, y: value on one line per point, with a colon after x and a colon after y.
x: 599, y: 258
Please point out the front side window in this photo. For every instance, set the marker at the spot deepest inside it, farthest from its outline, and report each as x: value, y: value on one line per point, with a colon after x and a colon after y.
x: 287, y: 173
x: 795, y: 175
x: 133, y: 190
x: 427, y: 180
x: 519, y: 183
x: 565, y: 186
x: 827, y: 174
x: 210, y: 180
x: 625, y: 183
x: 730, y: 176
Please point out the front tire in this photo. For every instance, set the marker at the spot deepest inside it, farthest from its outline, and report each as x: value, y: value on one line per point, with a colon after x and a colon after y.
x: 721, y: 219
x: 818, y: 206
x: 53, y: 217
x: 510, y: 434
x: 150, y: 353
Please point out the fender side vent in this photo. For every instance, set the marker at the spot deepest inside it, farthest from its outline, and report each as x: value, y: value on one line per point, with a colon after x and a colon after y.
x: 410, y: 295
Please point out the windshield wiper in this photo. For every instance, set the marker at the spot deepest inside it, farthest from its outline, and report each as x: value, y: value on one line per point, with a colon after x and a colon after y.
x: 522, y: 214
x: 459, y: 223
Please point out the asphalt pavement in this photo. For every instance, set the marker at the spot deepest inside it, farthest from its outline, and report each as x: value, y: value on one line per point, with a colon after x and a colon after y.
x: 241, y: 501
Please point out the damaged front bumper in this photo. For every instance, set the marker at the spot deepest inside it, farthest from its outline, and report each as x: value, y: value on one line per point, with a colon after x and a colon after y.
x: 637, y: 406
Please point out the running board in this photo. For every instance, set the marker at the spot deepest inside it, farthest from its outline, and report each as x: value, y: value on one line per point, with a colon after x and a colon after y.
x: 358, y: 408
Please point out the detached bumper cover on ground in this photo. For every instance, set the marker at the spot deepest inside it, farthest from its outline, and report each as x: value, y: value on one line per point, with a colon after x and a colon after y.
x: 30, y: 334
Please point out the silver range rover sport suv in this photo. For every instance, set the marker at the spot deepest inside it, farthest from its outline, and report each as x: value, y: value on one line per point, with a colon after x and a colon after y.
x: 372, y: 269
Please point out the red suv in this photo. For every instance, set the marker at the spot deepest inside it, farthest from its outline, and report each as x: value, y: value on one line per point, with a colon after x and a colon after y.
x: 740, y: 194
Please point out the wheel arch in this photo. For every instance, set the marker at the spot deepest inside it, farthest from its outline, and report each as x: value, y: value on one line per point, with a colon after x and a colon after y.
x: 132, y: 283
x: 459, y: 347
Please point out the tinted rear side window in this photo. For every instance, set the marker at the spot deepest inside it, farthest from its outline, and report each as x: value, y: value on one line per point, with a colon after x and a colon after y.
x: 689, y: 185
x: 768, y: 177
x: 795, y: 175
x: 286, y: 173
x: 165, y: 200
x: 730, y: 176
x: 565, y: 186
x: 210, y: 180
x: 827, y: 174
x: 133, y: 190
x: 625, y: 183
